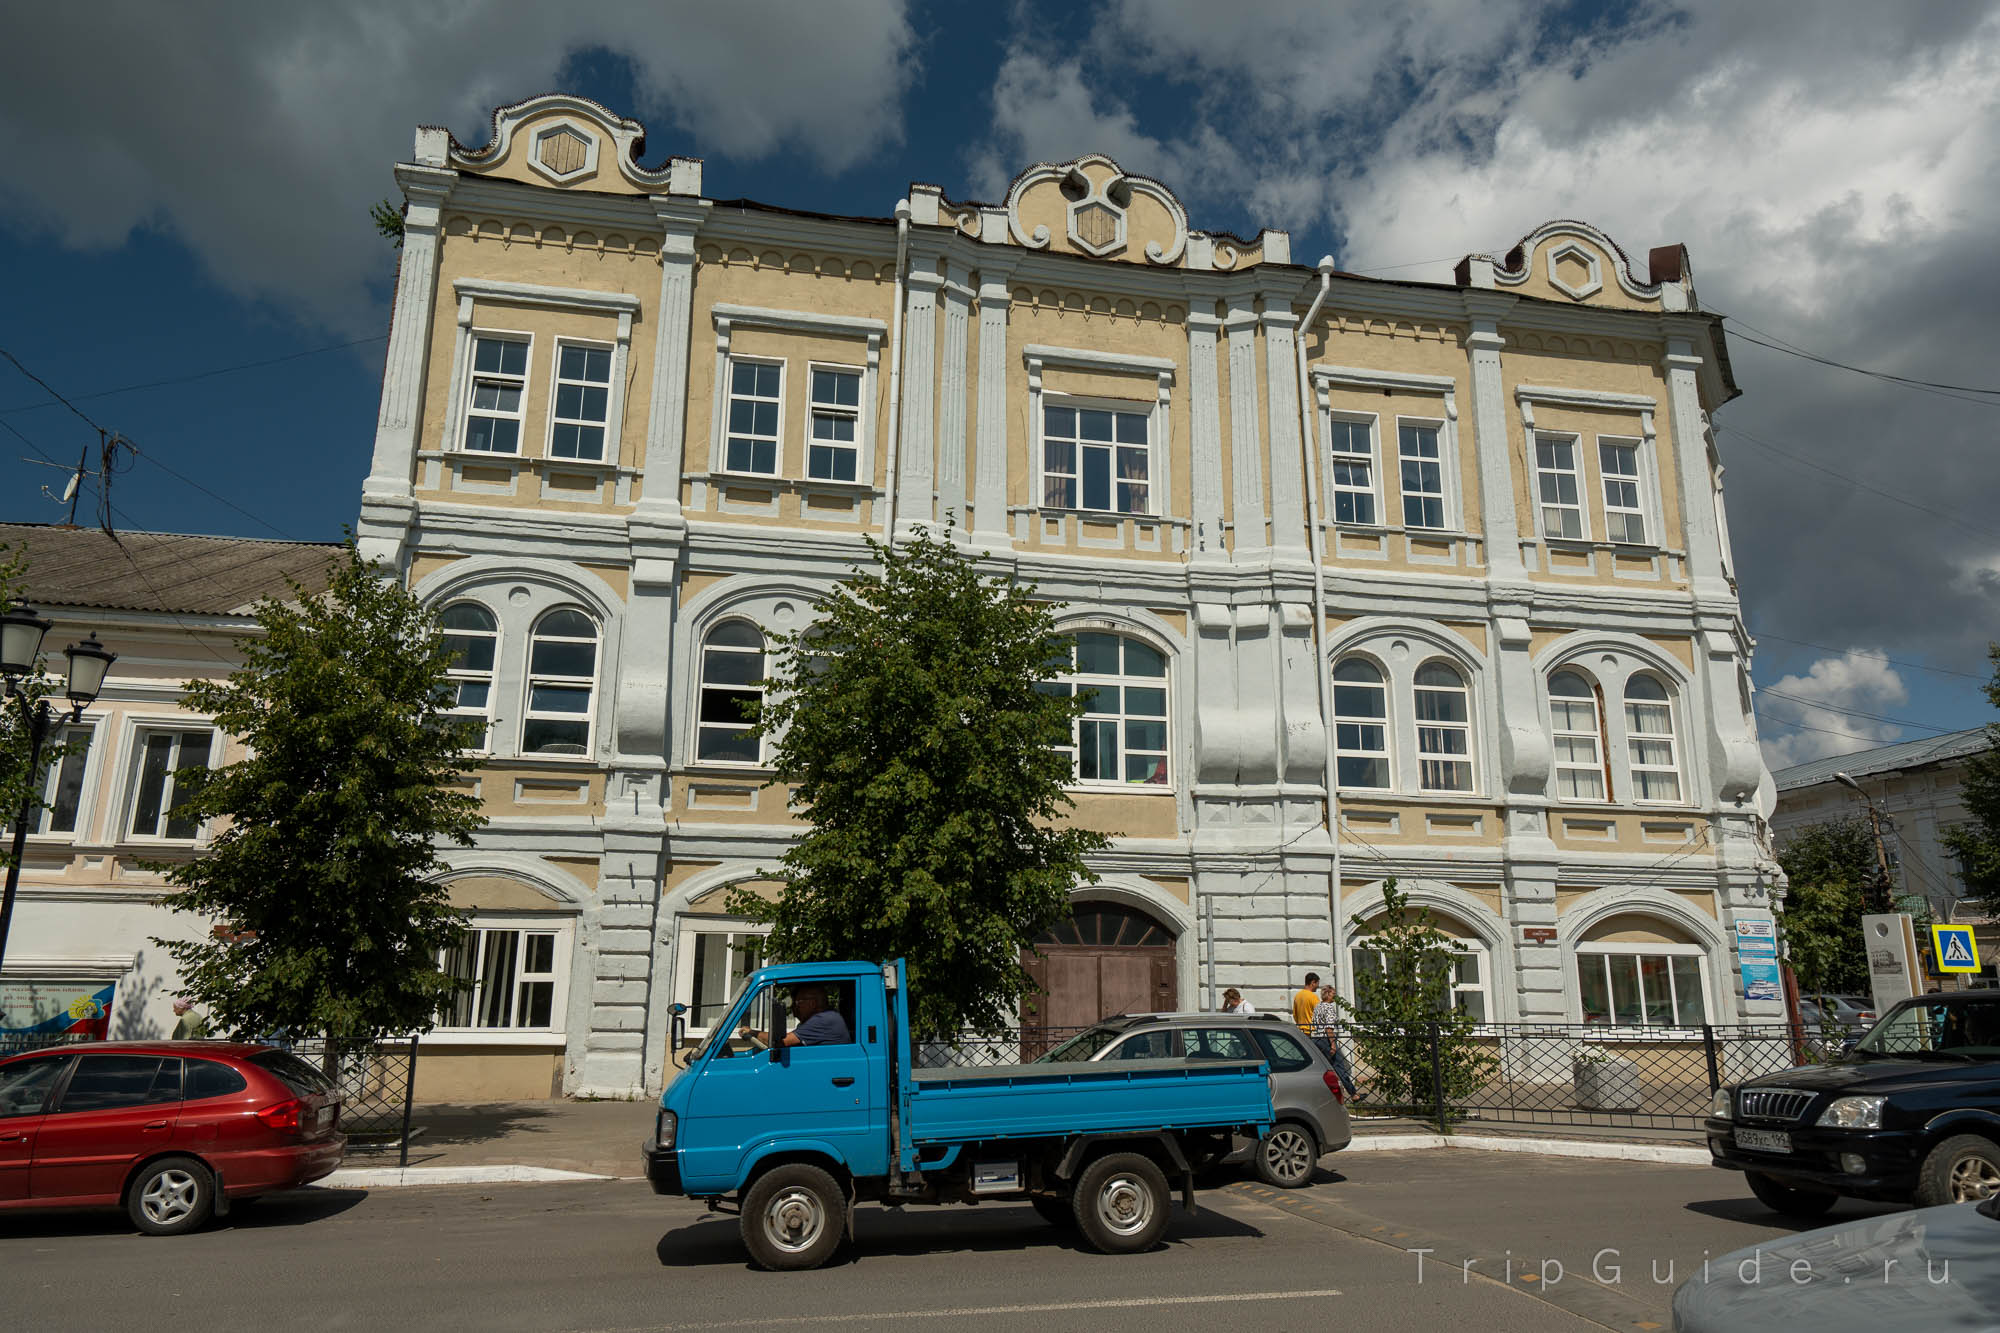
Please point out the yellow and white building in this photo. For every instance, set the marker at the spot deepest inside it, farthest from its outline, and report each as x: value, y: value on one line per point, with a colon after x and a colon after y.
x: 1459, y: 547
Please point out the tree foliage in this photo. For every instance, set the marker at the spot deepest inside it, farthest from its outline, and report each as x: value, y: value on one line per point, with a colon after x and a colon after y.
x: 321, y: 883
x: 1830, y: 867
x: 17, y: 784
x: 908, y: 722
x: 388, y: 220
x: 1404, y: 1007
x: 1976, y: 843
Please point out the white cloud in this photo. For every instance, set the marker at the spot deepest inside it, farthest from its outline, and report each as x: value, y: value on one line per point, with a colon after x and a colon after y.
x: 1817, y: 710
x: 259, y: 134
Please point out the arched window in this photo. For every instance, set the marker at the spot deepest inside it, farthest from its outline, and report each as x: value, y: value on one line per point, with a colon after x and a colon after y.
x: 1361, y: 724
x: 1649, y: 731
x: 1579, y: 737
x: 732, y: 664
x: 470, y: 637
x: 1122, y: 735
x: 562, y: 681
x: 1470, y: 966
x: 1635, y: 970
x: 1444, y: 728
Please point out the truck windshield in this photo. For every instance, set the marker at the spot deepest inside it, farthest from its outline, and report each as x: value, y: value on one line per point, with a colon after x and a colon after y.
x: 1083, y: 1046
x: 1921, y: 1028
x: 730, y: 1030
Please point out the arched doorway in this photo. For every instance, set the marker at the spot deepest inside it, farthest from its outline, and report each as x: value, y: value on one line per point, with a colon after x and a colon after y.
x: 1107, y: 959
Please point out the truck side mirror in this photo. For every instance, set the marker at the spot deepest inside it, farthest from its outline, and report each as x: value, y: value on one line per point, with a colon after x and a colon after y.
x: 778, y: 1016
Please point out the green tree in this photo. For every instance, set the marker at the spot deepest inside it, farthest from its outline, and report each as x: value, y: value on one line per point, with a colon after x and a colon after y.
x: 1403, y: 1004
x: 321, y: 883
x: 388, y: 220
x: 1830, y: 867
x: 16, y: 782
x: 914, y: 721
x: 1976, y: 843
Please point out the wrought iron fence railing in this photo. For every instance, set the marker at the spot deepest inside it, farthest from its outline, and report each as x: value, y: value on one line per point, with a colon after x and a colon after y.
x: 14, y: 1043
x: 377, y: 1083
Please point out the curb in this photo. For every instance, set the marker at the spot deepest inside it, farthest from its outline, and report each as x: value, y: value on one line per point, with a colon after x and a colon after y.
x: 391, y: 1177
x: 1677, y: 1155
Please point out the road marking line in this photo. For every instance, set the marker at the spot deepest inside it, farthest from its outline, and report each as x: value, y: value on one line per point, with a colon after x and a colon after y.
x: 976, y: 1311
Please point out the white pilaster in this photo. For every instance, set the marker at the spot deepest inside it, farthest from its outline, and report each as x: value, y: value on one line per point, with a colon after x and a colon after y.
x: 916, y: 485
x: 952, y: 390
x: 1489, y: 435
x: 666, y: 419
x: 1246, y: 445
x: 1205, y: 481
x: 1697, y: 477
x: 989, y: 488
x: 1281, y: 397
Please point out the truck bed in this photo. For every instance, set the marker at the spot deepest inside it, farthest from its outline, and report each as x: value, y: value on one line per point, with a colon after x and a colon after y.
x: 949, y: 1106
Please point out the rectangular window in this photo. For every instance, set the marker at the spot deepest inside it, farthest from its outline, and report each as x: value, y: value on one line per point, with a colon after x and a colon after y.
x: 756, y: 399
x: 1555, y: 469
x: 1096, y: 458
x: 499, y: 383
x: 62, y: 783
x: 834, y: 451
x: 1624, y: 510
x: 163, y: 757
x: 582, y: 402
x: 1468, y: 976
x: 510, y: 977
x: 1423, y: 476
x: 1641, y: 989
x: 1649, y: 738
x: 720, y: 964
x: 1353, y: 471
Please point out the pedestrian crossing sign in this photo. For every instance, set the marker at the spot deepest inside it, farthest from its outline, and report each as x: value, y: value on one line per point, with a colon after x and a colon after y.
x: 1955, y: 948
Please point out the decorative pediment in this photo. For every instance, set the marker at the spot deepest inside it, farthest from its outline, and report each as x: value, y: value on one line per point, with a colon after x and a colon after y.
x: 568, y: 141
x: 1575, y: 262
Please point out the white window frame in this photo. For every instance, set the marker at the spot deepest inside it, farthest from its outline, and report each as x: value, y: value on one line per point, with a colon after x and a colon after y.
x: 460, y: 675
x: 530, y: 678
x: 1078, y: 680
x: 467, y: 412
x: 611, y: 399
x: 1426, y: 758
x: 1386, y: 723
x: 556, y: 1031
x: 1462, y: 947
x: 729, y: 399
x: 702, y: 686
x: 1441, y: 437
x: 1605, y: 950
x: 1372, y: 492
x: 1128, y: 407
x: 1641, y: 506
x: 87, y: 728
x: 1038, y: 357
x: 731, y: 318
x: 857, y: 414
x: 142, y: 733
x: 1633, y: 738
x: 732, y: 928
x: 1600, y: 740
x: 1576, y: 472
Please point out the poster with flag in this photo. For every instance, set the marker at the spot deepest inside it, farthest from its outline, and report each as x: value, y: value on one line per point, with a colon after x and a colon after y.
x: 35, y: 1013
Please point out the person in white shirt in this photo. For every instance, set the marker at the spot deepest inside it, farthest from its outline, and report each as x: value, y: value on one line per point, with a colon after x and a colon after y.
x: 1234, y: 1003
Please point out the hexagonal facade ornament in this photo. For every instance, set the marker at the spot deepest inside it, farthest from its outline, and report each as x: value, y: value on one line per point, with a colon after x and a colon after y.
x: 1575, y: 271
x: 1097, y: 226
x: 564, y: 151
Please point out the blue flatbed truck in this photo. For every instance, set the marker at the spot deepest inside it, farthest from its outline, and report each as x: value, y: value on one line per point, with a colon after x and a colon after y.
x: 793, y: 1136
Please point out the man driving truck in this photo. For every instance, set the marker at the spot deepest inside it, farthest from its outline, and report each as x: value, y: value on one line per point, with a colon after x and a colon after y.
x: 817, y: 1025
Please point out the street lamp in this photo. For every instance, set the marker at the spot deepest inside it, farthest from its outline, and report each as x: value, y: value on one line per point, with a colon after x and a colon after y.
x: 1879, y: 891
x: 21, y: 632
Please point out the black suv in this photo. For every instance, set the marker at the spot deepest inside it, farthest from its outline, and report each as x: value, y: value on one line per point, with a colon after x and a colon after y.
x: 1911, y: 1113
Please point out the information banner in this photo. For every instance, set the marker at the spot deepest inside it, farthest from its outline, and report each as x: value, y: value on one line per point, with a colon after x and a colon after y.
x: 1757, y: 958
x: 52, y: 1008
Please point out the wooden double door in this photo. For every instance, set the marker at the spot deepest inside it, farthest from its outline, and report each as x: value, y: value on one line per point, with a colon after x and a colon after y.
x: 1106, y: 960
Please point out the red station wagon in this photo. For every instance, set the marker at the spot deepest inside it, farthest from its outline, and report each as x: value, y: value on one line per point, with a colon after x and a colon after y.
x: 170, y: 1131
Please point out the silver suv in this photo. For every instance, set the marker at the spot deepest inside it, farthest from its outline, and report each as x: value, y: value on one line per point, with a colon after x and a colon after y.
x: 1311, y: 1119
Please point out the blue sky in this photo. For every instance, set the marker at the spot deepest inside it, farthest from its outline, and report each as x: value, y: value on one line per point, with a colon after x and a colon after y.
x: 202, y: 173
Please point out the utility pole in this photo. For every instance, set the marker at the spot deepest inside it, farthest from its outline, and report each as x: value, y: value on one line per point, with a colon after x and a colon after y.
x: 1879, y: 900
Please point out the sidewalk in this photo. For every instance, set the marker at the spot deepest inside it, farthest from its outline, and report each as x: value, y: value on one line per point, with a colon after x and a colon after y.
x: 503, y: 1141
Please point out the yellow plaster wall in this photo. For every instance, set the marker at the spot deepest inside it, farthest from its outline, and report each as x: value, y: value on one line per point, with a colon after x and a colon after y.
x: 1131, y: 815
x: 1472, y: 633
x: 606, y: 179
x: 1610, y: 294
x: 1636, y: 928
x: 618, y: 576
x: 497, y: 893
x: 719, y: 798
x: 448, y: 1072
x: 1681, y: 650
x: 1174, y: 885
x: 425, y: 563
x: 498, y: 799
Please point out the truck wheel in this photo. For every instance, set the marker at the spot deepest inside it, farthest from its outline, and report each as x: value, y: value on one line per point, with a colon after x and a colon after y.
x: 1791, y: 1200
x: 793, y: 1217
x: 1965, y: 1168
x: 1121, y: 1203
x: 1056, y: 1212
x: 1286, y: 1156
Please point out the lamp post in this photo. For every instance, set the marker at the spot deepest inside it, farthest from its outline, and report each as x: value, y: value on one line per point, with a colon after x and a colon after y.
x: 1879, y: 897
x: 21, y: 632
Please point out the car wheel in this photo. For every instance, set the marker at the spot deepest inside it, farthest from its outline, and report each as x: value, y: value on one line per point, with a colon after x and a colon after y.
x: 1286, y: 1156
x: 793, y: 1217
x: 1056, y: 1212
x: 1963, y: 1169
x: 170, y: 1196
x: 1791, y: 1200
x: 1121, y: 1203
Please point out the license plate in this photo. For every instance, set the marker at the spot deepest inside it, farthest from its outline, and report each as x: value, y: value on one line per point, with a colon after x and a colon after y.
x: 326, y: 1115
x: 1764, y: 1140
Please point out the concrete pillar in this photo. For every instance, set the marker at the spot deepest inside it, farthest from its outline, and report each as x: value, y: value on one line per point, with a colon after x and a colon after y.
x: 989, y: 488
x: 953, y: 349
x: 1205, y: 480
x: 916, y: 486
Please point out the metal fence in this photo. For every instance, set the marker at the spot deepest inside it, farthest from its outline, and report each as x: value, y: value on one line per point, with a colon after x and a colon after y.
x: 377, y: 1083
x: 15, y: 1043
x: 974, y: 1050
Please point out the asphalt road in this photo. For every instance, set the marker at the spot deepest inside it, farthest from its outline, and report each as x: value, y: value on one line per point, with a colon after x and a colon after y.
x: 612, y: 1256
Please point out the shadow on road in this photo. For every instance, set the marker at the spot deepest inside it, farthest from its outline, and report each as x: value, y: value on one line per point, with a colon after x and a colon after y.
x: 290, y: 1208
x: 879, y: 1232
x: 1749, y: 1209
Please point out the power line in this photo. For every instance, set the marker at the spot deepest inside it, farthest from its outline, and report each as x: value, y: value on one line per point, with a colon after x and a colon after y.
x: 1824, y: 731
x: 1856, y: 712
x: 220, y: 499
x: 52, y: 392
x: 1779, y: 345
x: 1873, y: 657
x: 1918, y: 505
x: 199, y: 375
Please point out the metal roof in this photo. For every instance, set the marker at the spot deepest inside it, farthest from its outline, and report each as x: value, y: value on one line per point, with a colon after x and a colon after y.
x: 162, y: 571
x: 1884, y: 759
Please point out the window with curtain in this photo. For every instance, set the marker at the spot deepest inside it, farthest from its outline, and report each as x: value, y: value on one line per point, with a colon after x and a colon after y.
x: 1624, y: 507
x: 1444, y: 728
x: 1639, y: 987
x: 1556, y: 475
x: 1577, y: 727
x: 1361, y: 724
x: 1122, y: 735
x: 510, y: 975
x: 1096, y: 458
x: 732, y: 664
x: 1649, y: 739
x: 562, y: 683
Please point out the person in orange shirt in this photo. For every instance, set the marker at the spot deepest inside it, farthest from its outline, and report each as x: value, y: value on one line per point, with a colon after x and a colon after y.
x: 1304, y: 1002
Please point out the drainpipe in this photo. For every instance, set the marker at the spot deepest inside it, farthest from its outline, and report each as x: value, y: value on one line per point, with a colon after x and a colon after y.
x: 896, y: 365
x: 1315, y: 536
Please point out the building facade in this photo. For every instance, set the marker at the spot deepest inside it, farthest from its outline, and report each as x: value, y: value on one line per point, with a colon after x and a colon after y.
x: 1442, y: 566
